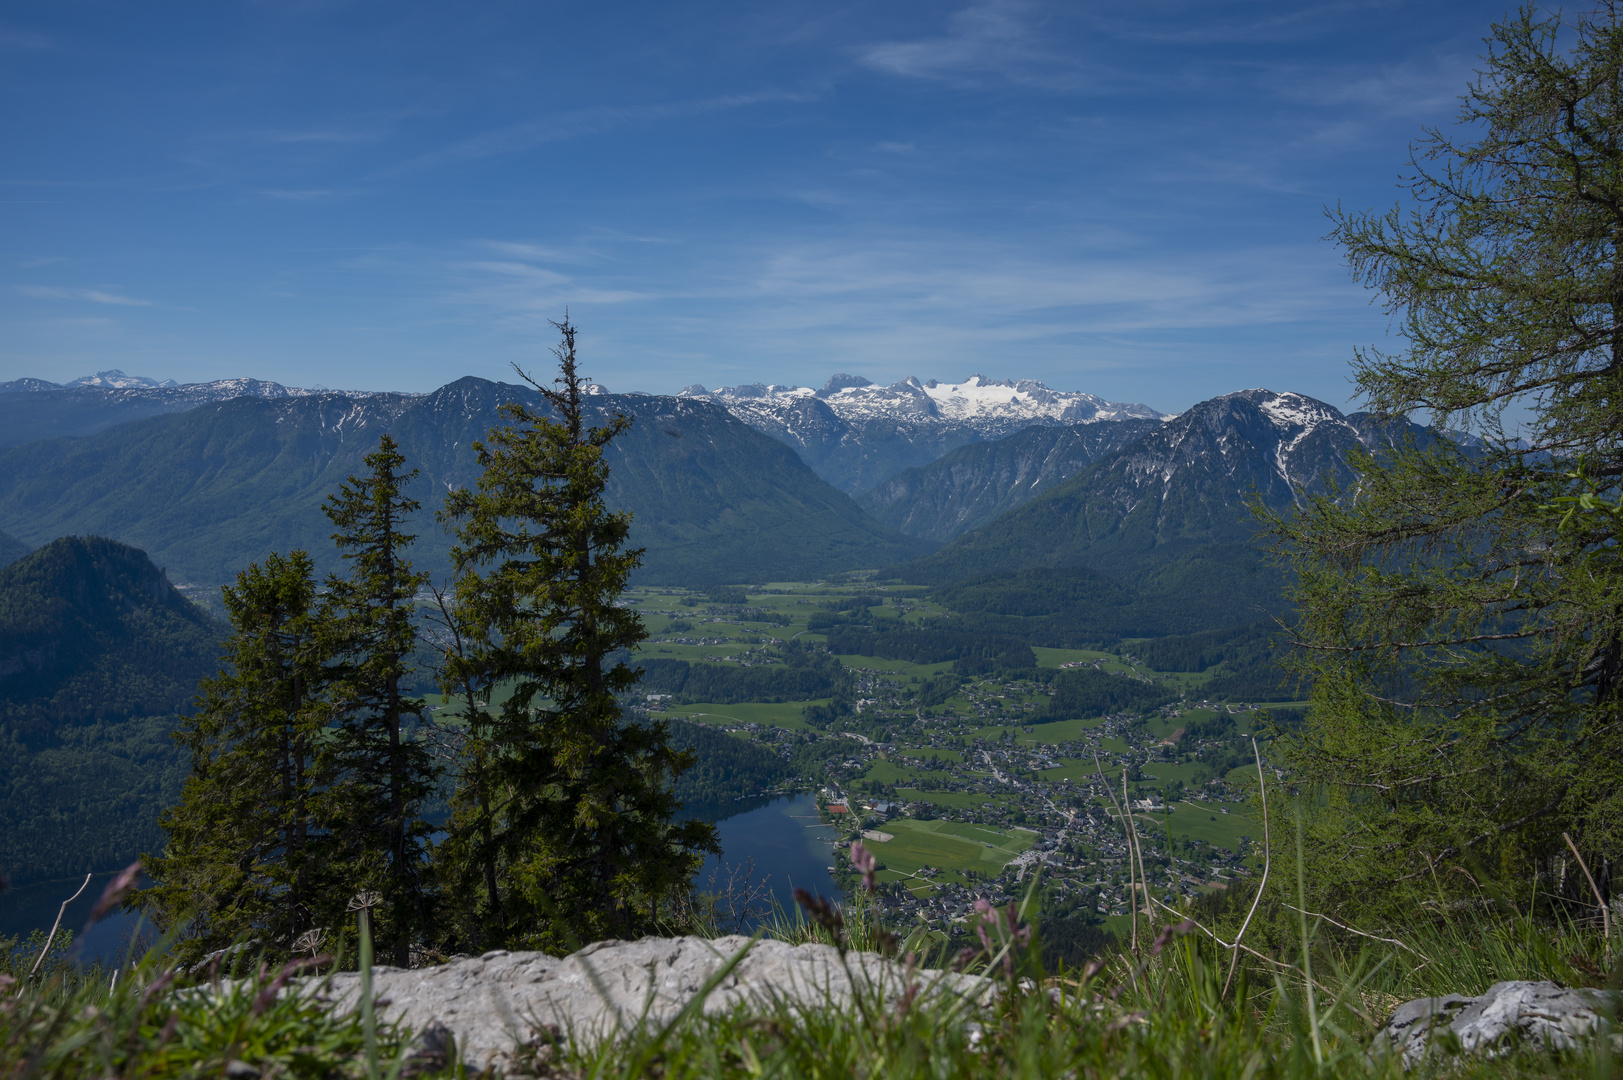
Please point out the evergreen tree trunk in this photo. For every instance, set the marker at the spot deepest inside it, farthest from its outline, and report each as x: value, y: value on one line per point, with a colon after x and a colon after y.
x: 244, y: 858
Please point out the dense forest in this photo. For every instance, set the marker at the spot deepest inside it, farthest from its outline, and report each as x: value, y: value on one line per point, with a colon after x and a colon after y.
x: 1086, y: 692
x: 799, y: 673
x: 727, y: 767
x: 98, y: 656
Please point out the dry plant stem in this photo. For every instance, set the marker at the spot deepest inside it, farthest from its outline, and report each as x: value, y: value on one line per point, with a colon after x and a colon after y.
x: 63, y: 910
x: 1135, y: 868
x: 1122, y: 817
x: 1267, y: 864
x: 1138, y: 852
x: 1361, y: 933
x: 1132, y: 864
x: 1605, y: 919
x: 1266, y: 958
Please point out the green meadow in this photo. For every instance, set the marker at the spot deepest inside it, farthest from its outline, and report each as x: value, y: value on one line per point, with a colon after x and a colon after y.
x: 947, y: 845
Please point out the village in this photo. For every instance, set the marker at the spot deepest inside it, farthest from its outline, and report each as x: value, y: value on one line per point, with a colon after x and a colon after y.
x: 975, y: 793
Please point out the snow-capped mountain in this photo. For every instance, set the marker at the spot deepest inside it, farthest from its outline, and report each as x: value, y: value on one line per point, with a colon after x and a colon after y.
x: 35, y: 409
x: 1178, y: 487
x: 216, y: 390
x: 209, y: 490
x: 117, y: 380
x: 856, y: 434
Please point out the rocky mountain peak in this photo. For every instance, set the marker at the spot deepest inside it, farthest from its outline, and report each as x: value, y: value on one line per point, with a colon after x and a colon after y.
x: 840, y: 382
x: 855, y: 433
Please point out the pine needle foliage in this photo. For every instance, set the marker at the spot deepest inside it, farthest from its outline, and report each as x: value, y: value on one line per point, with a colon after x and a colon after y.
x: 1461, y: 610
x: 384, y: 774
x: 246, y: 841
x: 561, y: 829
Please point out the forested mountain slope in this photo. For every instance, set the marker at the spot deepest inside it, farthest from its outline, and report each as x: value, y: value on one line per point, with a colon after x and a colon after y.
x: 11, y: 549
x: 98, y: 653
x: 1177, y: 493
x: 209, y: 490
x: 973, y: 484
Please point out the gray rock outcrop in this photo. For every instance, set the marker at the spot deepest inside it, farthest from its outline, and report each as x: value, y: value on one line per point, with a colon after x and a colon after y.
x: 1538, y: 1014
x: 499, y: 1002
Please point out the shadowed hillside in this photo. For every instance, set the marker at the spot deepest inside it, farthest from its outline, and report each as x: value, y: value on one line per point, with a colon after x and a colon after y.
x: 98, y: 653
x: 11, y: 549
x: 209, y: 490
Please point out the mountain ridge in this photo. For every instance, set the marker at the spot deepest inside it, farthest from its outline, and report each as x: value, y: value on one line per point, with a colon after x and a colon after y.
x: 856, y: 434
x: 208, y: 490
x: 1174, y: 491
x: 970, y: 486
x: 32, y: 409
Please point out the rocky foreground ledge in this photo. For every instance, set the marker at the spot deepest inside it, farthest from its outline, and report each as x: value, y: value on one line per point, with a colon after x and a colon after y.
x: 503, y: 1001
x: 498, y: 1004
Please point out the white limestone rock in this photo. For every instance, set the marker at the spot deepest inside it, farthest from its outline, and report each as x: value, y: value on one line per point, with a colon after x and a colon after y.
x: 1539, y: 1014
x: 501, y: 1001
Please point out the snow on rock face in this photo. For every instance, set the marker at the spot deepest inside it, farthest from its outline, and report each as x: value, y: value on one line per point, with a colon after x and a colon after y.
x: 854, y: 399
x: 117, y: 380
x: 1294, y: 410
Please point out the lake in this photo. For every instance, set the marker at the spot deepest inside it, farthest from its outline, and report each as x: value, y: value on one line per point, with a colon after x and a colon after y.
x: 26, y: 908
x: 780, y: 839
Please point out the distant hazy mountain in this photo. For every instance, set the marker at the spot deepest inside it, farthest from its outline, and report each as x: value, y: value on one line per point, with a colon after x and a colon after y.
x: 98, y: 653
x: 1167, y: 512
x: 117, y: 380
x: 855, y: 434
x: 973, y: 484
x: 11, y: 549
x: 33, y: 409
x: 208, y: 490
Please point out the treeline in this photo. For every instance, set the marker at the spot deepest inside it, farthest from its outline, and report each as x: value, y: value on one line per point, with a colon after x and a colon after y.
x: 1086, y: 693
x: 724, y: 767
x: 975, y: 653
x: 1248, y: 658
x: 87, y: 798
x: 803, y: 672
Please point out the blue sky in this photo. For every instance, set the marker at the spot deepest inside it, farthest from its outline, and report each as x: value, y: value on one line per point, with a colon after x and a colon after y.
x: 1124, y: 199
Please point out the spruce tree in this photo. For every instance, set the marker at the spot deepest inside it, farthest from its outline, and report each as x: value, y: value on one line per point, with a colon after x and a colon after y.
x: 245, y: 855
x: 571, y: 806
x: 382, y: 773
x: 1461, y: 609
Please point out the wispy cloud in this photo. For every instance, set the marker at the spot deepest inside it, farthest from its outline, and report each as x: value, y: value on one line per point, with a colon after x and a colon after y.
x: 94, y: 296
x: 1409, y: 88
x: 305, y: 195
x: 516, y: 138
x: 1182, y: 22
x: 991, y: 37
x: 338, y: 135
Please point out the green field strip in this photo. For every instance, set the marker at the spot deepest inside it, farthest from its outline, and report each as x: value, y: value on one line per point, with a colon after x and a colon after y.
x: 1053, y: 658
x: 784, y: 714
x: 1202, y: 821
x: 903, y: 667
